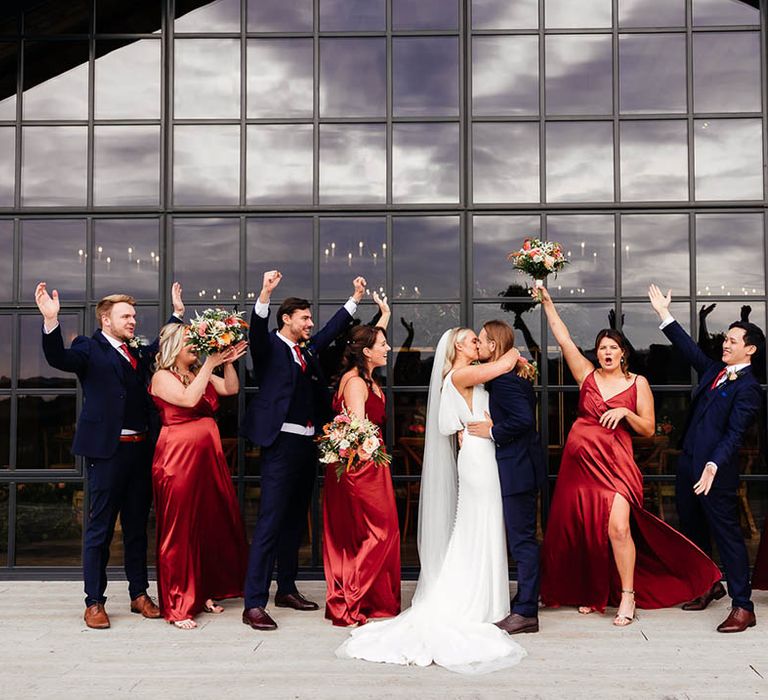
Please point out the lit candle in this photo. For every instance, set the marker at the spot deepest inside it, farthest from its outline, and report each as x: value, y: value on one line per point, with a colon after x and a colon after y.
x: 375, y: 255
x: 99, y: 251
x: 360, y: 248
x: 80, y: 254
x: 130, y: 254
x: 333, y: 248
x: 349, y: 259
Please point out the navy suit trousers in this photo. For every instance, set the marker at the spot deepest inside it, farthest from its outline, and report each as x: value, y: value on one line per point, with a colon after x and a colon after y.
x: 520, y: 521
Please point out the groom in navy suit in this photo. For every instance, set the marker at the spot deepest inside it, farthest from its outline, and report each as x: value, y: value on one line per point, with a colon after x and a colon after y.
x: 113, y: 435
x: 292, y: 403
x: 512, y: 426
x: 723, y: 406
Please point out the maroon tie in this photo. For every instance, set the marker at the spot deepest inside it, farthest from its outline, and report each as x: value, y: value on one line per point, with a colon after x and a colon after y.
x: 129, y: 357
x: 302, y: 361
x: 720, y: 375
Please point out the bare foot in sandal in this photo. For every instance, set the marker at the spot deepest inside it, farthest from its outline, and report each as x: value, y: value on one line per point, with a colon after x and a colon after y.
x: 586, y: 609
x: 211, y: 606
x: 625, y: 615
x: 185, y: 624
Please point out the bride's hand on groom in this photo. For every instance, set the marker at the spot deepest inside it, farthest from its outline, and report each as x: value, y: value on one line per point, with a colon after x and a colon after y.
x: 481, y: 428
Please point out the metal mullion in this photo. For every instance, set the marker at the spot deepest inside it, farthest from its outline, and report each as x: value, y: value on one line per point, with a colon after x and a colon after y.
x: 689, y: 101
x: 167, y: 111
x: 389, y: 135
x: 315, y: 106
x: 389, y: 288
x: 14, y: 409
x: 242, y: 197
x: 615, y: 103
x: 243, y: 257
x: 11, y: 555
x: 18, y: 133
x: 542, y: 109
x: 764, y: 72
x: 465, y: 106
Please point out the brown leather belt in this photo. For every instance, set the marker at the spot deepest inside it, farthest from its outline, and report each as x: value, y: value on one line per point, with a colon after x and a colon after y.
x: 137, y: 437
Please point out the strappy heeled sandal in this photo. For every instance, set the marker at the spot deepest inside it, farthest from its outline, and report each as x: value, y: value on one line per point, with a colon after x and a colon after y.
x: 626, y: 620
x: 214, y: 608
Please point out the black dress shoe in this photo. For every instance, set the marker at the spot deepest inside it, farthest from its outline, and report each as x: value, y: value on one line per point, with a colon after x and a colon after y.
x: 518, y: 624
x: 715, y: 593
x: 738, y: 620
x: 295, y: 601
x: 259, y: 619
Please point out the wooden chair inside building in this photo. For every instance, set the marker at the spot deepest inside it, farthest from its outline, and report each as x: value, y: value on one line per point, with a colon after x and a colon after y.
x: 412, y: 450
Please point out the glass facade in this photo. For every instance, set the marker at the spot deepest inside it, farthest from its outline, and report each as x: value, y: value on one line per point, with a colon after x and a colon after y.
x: 415, y: 143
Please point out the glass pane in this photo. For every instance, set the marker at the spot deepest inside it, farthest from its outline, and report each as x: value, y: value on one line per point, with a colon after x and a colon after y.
x: 493, y: 237
x: 6, y: 261
x: 580, y: 162
x: 55, y: 80
x: 5, y: 461
x: 53, y: 165
x: 46, y: 429
x: 280, y: 78
x: 732, y: 242
x: 8, y: 77
x: 425, y: 14
x: 353, y: 15
x: 416, y: 239
x: 653, y: 355
x: 579, y: 74
x: 206, y: 255
x: 348, y: 248
x: 280, y: 244
x: 713, y: 12
x: 566, y: 14
x: 652, y: 73
x: 352, y: 163
x: 49, y: 524
x: 505, y: 162
x: 206, y: 164
x: 353, y: 77
x: 726, y: 72
x: 126, y: 167
x: 206, y: 78
x: 425, y: 162
x: 126, y: 257
x: 7, y: 165
x: 728, y: 158
x: 415, y: 332
x: 523, y: 315
x: 288, y: 150
x: 654, y: 160
x: 584, y: 322
x: 218, y: 16
x: 501, y: 14
x: 58, y: 18
x: 654, y: 248
x: 651, y: 13
x: 53, y: 251
x: 34, y: 370
x: 127, y: 79
x: 6, y: 343
x: 563, y: 411
x: 117, y: 18
x: 589, y: 244
x: 714, y: 319
x: 505, y: 75
x: 410, y: 412
x: 280, y: 16
x: 425, y: 76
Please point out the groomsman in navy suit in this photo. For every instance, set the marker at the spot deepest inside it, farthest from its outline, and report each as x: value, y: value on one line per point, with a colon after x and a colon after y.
x: 724, y: 405
x: 512, y: 427
x: 113, y: 436
x: 292, y: 404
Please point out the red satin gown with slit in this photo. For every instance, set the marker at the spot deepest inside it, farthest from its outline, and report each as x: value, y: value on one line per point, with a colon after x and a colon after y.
x: 201, y: 546
x: 577, y: 562
x: 361, y: 538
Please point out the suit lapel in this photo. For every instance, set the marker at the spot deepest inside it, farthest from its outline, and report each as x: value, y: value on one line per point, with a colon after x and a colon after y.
x: 117, y: 362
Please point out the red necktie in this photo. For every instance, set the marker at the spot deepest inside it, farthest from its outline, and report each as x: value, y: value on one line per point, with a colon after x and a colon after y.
x: 302, y: 361
x: 719, y: 377
x: 129, y: 357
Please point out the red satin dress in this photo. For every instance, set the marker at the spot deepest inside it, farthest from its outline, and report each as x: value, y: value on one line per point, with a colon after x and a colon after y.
x: 760, y: 572
x: 577, y: 562
x: 201, y: 547
x: 361, y: 538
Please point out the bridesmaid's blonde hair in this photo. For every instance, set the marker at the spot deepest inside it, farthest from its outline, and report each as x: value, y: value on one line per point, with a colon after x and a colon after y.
x: 457, y: 336
x: 172, y: 340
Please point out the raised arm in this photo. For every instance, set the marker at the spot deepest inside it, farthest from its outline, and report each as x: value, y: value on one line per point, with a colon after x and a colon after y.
x: 384, y: 310
x: 258, y: 332
x: 341, y: 319
x: 74, y: 359
x: 170, y: 389
x: 355, y: 395
x: 479, y: 374
x: 579, y: 365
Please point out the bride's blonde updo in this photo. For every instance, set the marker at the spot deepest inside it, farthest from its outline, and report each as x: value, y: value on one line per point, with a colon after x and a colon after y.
x: 173, y: 338
x: 455, y: 337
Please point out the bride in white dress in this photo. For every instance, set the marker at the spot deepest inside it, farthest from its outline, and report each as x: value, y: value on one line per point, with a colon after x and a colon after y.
x: 463, y: 586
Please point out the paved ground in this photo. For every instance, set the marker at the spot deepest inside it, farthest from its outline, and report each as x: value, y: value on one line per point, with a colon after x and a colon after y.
x: 47, y: 652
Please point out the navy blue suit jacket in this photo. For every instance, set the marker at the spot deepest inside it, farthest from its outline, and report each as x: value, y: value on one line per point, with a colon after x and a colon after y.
x: 101, y: 371
x: 719, y: 417
x: 276, y: 373
x: 518, y: 447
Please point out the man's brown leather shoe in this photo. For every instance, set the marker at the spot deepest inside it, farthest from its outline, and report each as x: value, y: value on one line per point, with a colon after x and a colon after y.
x: 144, y: 605
x: 518, y: 624
x: 96, y: 617
x: 295, y: 601
x: 738, y: 620
x: 715, y: 593
x: 259, y: 619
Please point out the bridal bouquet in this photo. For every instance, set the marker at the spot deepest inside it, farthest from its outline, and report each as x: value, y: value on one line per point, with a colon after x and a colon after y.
x: 350, y: 442
x: 216, y: 329
x: 538, y: 259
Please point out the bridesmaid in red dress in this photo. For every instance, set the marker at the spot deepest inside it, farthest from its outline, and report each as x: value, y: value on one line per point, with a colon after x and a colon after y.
x: 201, y: 547
x: 597, y: 508
x: 361, y: 536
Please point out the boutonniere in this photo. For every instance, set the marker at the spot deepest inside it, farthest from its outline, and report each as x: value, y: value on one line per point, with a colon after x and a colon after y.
x: 138, y: 342
x: 731, y: 376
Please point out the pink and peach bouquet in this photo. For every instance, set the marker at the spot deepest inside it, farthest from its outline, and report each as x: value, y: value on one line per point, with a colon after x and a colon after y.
x: 538, y: 259
x: 215, y: 330
x: 349, y: 443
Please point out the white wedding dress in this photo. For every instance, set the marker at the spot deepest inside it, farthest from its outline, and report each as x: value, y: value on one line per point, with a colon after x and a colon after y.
x: 464, y: 584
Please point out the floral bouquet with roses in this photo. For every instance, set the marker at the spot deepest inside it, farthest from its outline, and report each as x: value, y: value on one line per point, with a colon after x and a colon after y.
x: 538, y: 259
x: 215, y: 330
x: 349, y: 442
